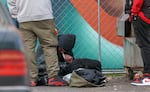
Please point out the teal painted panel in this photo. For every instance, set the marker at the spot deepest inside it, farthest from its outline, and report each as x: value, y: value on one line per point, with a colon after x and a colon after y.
x: 68, y: 20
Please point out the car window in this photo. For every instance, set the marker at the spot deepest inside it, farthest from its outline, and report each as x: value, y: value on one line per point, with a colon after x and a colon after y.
x: 5, y: 19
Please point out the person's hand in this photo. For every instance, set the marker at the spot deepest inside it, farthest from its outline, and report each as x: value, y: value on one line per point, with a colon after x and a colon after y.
x: 56, y: 31
x: 68, y: 58
x: 131, y: 17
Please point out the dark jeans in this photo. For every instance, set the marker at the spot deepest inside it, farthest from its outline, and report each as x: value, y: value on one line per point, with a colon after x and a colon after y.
x: 142, y: 34
x: 15, y: 22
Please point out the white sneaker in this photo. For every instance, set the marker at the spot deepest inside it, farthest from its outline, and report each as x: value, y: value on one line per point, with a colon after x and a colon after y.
x: 143, y: 82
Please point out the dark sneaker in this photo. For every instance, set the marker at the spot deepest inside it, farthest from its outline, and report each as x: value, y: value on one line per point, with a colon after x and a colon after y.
x: 56, y: 81
x: 33, y: 84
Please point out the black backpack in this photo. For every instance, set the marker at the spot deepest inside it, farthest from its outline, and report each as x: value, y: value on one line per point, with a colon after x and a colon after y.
x: 128, y: 6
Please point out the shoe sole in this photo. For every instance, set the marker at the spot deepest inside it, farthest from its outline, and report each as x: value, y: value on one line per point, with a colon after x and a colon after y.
x: 56, y: 85
x: 140, y: 84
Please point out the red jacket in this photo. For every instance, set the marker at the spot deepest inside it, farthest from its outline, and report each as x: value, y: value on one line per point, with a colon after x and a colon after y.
x: 136, y: 10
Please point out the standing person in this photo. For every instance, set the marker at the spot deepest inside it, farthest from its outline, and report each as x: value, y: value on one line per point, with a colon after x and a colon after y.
x: 140, y: 15
x: 36, y: 20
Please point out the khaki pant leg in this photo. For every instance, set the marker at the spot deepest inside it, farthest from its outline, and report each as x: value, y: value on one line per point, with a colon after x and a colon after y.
x: 29, y: 39
x: 48, y: 41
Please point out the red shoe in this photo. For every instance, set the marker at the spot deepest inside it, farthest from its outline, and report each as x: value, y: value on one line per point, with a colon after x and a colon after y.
x: 33, y: 84
x: 146, y: 75
x: 56, y: 81
x: 137, y: 78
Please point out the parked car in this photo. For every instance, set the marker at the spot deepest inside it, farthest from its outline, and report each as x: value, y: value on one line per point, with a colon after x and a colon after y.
x: 14, y: 75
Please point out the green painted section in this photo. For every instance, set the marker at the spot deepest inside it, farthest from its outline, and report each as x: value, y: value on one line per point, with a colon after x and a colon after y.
x: 69, y: 21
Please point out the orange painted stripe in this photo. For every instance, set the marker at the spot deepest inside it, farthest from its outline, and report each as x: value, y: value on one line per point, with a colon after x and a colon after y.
x: 88, y: 10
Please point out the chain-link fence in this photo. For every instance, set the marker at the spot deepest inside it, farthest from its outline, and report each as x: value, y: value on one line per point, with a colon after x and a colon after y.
x: 94, y: 40
x: 94, y: 22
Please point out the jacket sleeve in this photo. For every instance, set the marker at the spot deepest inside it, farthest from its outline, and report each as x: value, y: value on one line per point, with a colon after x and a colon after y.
x: 12, y: 8
x: 136, y: 7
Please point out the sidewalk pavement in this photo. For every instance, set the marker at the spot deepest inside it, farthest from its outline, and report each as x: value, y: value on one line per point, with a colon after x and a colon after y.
x: 114, y: 84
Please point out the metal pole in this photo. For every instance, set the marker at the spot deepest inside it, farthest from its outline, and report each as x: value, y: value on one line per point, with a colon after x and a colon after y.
x: 99, y: 36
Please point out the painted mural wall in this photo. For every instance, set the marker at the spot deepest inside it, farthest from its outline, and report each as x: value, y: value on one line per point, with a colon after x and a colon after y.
x: 72, y: 16
x: 75, y: 13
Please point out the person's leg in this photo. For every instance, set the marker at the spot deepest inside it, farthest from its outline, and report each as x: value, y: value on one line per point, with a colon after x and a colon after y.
x: 48, y: 41
x: 142, y: 34
x: 29, y: 39
x: 145, y: 52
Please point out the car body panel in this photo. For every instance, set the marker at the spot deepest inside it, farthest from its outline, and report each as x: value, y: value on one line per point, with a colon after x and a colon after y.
x: 14, y: 75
